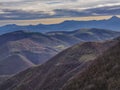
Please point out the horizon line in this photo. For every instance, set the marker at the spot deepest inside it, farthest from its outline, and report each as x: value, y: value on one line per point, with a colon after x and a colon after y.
x: 48, y: 21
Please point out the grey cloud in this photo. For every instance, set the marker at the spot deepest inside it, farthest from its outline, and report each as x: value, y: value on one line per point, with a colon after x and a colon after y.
x: 111, y: 10
x: 19, y: 14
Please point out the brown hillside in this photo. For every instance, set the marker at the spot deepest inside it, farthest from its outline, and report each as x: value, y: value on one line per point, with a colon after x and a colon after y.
x: 102, y: 74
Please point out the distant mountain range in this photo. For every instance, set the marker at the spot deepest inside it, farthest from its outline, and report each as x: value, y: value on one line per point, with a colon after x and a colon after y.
x: 21, y: 49
x: 110, y: 24
x: 85, y: 66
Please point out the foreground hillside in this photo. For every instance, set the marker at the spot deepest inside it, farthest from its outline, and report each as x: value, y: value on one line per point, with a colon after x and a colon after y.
x: 102, y: 74
x: 55, y: 73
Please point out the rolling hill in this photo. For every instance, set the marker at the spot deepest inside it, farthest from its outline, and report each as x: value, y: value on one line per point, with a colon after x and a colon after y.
x: 20, y: 50
x: 29, y: 48
x: 13, y: 64
x: 84, y: 35
x: 55, y: 73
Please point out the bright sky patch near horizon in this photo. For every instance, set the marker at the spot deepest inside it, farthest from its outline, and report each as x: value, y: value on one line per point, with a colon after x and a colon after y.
x: 51, y: 20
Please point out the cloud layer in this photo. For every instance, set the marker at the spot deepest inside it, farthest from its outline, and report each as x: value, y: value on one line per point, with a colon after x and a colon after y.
x: 36, y: 9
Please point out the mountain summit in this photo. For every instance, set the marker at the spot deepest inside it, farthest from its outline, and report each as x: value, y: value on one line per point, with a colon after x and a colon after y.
x: 114, y: 18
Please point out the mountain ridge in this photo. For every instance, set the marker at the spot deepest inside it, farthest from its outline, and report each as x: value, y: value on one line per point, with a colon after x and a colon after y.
x: 101, y: 74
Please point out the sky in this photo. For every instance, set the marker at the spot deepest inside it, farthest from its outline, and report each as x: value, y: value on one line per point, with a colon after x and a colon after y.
x: 47, y: 9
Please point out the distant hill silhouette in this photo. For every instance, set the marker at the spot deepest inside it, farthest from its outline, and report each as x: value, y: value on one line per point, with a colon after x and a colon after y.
x: 111, y: 24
